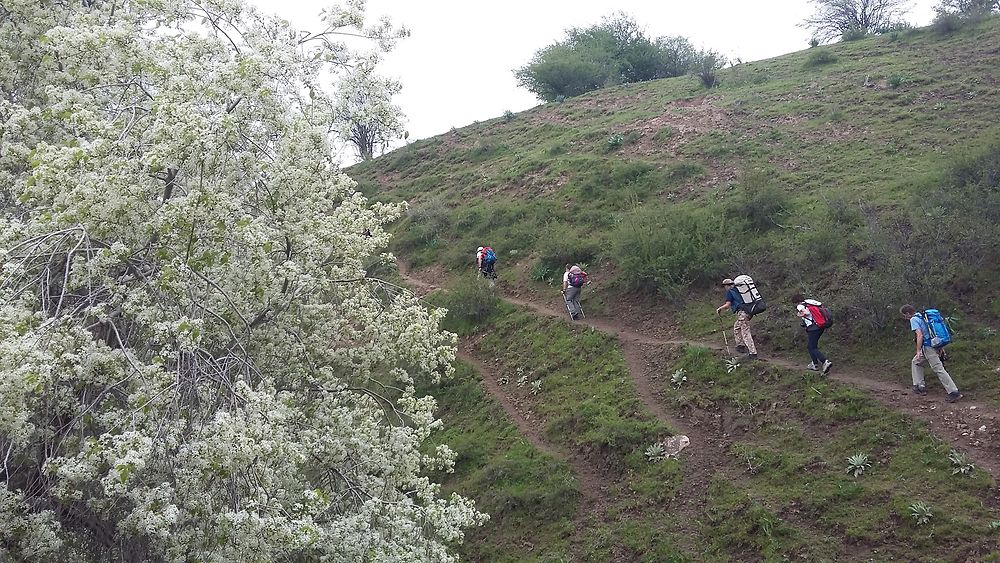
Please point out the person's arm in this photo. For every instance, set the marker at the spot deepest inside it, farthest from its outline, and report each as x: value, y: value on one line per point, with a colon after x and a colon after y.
x: 920, y: 341
x: 718, y: 310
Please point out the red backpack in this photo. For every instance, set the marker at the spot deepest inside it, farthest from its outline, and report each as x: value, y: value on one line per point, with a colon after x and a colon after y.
x: 821, y: 315
x: 578, y: 279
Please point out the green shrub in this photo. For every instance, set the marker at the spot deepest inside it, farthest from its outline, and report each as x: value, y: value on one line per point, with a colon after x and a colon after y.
x: 819, y: 57
x: 854, y: 34
x: 947, y: 22
x: 471, y: 302
x: 508, y: 116
x: 664, y: 134
x: 759, y: 201
x: 895, y: 81
x: 619, y: 179
x: 563, y: 244
x: 813, y: 42
x: 709, y: 63
x: 423, y: 226
x: 665, y: 250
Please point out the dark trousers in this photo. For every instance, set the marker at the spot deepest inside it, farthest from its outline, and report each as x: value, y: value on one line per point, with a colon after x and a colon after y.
x: 487, y: 270
x: 817, y: 357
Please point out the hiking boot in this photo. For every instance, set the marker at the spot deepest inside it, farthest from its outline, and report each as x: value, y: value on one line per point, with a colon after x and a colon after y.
x: 952, y: 397
x: 920, y: 390
x: 751, y: 356
x: 575, y: 316
x: 742, y: 348
x: 812, y: 367
x: 826, y: 367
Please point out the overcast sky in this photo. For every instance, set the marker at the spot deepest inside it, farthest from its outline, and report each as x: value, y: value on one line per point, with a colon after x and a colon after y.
x: 457, y: 66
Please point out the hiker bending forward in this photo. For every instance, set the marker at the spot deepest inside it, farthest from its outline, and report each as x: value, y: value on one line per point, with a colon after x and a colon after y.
x: 741, y: 328
x: 571, y: 292
x: 815, y: 325
x: 926, y: 354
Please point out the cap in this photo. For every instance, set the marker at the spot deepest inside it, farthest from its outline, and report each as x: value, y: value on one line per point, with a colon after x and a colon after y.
x: 727, y: 281
x: 480, y: 249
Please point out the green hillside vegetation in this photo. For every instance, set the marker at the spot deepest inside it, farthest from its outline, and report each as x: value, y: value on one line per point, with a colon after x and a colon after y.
x: 866, y: 173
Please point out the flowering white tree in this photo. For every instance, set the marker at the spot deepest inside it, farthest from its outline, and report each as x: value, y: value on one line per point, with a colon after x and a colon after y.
x: 194, y: 363
x: 364, y: 114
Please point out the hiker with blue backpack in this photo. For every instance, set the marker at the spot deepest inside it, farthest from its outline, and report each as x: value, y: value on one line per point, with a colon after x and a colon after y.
x: 815, y: 318
x: 930, y: 334
x: 486, y: 259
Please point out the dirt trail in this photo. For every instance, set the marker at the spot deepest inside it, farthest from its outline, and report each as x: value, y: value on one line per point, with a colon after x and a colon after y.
x: 969, y: 426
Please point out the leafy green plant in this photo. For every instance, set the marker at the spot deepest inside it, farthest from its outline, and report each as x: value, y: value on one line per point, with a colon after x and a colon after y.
x: 536, y: 386
x: 993, y: 526
x: 615, y: 141
x: 508, y: 116
x: 542, y: 272
x: 732, y: 365
x: 921, y: 513
x: 656, y: 452
x: 960, y: 463
x: 857, y: 464
x: 679, y: 377
x: 813, y: 42
x: 896, y: 80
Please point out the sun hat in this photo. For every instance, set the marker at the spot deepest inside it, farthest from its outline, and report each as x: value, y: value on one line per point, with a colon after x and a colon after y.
x: 727, y: 281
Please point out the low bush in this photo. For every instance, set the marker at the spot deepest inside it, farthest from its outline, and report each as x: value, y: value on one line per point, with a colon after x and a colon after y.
x: 854, y: 34
x: 820, y: 57
x: 759, y: 201
x: 563, y: 244
x: 470, y: 302
x: 665, y: 250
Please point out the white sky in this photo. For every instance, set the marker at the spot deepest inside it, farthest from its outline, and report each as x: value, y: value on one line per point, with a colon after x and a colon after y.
x: 457, y: 65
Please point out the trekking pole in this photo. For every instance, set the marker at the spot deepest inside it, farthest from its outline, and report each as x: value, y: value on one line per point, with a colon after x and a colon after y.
x: 725, y: 338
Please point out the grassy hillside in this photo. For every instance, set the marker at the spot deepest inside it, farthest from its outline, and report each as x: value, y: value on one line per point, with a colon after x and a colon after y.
x: 865, y: 173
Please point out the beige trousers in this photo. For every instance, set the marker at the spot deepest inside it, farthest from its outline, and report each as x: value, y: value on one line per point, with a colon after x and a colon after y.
x: 931, y: 357
x: 742, y: 330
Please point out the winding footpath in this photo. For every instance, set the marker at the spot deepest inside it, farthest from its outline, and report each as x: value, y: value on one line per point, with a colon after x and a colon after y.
x: 968, y: 425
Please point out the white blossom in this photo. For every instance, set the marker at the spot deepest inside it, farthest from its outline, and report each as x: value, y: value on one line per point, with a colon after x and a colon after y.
x: 194, y: 361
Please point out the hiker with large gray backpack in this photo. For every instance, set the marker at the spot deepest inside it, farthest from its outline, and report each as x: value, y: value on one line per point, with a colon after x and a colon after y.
x: 815, y: 318
x: 744, y: 300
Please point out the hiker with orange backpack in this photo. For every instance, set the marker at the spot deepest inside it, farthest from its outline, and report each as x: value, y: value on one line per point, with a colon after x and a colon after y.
x: 815, y: 318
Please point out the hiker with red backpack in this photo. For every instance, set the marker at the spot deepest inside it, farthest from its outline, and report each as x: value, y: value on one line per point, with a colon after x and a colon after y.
x: 486, y: 259
x: 573, y: 282
x: 815, y: 318
x: 931, y: 335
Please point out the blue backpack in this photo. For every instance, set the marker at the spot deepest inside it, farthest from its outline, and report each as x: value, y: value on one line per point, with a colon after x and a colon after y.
x: 940, y: 335
x: 489, y: 257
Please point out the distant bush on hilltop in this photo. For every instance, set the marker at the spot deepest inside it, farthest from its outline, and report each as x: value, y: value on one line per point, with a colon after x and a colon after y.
x: 616, y: 51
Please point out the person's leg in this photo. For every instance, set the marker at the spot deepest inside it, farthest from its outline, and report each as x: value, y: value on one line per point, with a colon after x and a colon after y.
x: 817, y: 357
x: 917, y: 371
x: 572, y: 299
x: 743, y: 321
x: 935, y: 362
